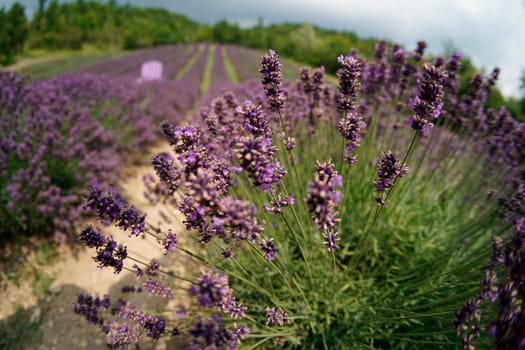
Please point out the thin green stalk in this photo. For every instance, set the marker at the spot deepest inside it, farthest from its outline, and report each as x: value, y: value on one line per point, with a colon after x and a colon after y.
x: 167, y: 273
x: 294, y: 166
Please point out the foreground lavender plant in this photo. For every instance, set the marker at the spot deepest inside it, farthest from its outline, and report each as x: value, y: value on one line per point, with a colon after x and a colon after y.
x: 382, y: 276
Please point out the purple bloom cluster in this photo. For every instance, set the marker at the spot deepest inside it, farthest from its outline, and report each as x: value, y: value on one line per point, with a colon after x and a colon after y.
x: 323, y: 198
x: 166, y: 170
x: 111, y: 207
x: 256, y: 157
x: 389, y: 168
x: 351, y: 128
x: 109, y: 252
x: 426, y: 101
x: 121, y: 335
x: 213, y: 290
x: 348, y: 82
x: 153, y: 325
x: 90, y: 307
x: 274, y: 315
x: 157, y: 288
x: 256, y: 121
x: 92, y: 237
x: 169, y: 242
x: 311, y: 84
x: 268, y: 247
x: 503, y: 285
x: 212, y: 333
x: 277, y: 203
x: 272, y: 80
x: 419, y: 50
x: 330, y: 240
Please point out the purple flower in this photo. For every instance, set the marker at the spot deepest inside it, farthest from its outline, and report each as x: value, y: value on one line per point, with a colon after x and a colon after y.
x: 274, y: 315
x: 268, y: 247
x: 348, y: 82
x: 272, y: 80
x: 107, y: 206
x: 165, y: 169
x: 111, y: 255
x: 132, y: 218
x: 289, y: 143
x: 153, y: 268
x: 93, y: 238
x: 212, y: 289
x: 212, y: 333
x: 227, y: 253
x: 157, y: 288
x: 277, y: 203
x: 420, y: 50
x: 256, y: 158
x: 256, y: 121
x: 111, y: 207
x: 520, y: 225
x: 238, y: 216
x: 389, y: 168
x: 322, y: 196
x: 120, y: 335
x: 90, y: 307
x: 169, y: 242
x: 235, y: 310
x: 330, y: 240
x: 153, y: 325
x: 351, y: 128
x: 425, y: 102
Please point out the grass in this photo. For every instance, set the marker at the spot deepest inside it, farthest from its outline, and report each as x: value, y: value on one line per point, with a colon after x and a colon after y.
x: 189, y: 63
x: 42, y: 65
x: 20, y: 331
x: 228, y: 65
x: 208, y: 70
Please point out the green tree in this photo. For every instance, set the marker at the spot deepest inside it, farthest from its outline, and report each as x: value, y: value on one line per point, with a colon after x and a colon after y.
x: 5, y: 50
x: 522, y: 88
x: 17, y: 27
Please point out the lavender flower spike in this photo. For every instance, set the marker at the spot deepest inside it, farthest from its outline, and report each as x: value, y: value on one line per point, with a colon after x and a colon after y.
x: 348, y: 82
x: 389, y: 168
x: 272, y: 80
x: 351, y: 128
x: 426, y: 99
x: 322, y: 200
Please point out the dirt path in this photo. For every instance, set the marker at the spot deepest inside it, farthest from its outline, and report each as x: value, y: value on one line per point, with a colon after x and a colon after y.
x: 76, y: 273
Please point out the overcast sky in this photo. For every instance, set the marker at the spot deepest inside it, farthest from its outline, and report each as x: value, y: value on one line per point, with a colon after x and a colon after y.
x: 491, y: 32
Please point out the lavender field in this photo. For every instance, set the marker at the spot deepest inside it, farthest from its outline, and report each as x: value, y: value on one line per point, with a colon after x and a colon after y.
x: 214, y: 203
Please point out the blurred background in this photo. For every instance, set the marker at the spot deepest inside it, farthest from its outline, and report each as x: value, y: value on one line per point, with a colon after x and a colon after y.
x: 490, y: 34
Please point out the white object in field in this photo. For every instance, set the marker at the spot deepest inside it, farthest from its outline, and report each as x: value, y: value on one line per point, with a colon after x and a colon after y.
x: 151, y: 71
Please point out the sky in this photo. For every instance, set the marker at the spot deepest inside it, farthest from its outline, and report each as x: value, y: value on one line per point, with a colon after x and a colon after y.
x: 490, y: 32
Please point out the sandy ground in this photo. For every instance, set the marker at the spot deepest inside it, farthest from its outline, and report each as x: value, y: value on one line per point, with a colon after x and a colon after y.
x: 75, y: 273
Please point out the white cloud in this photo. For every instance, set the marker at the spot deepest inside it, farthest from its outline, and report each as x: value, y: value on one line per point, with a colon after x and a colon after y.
x: 492, y: 33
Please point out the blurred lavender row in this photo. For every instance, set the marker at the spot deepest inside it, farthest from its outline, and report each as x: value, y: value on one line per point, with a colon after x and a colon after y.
x: 243, y: 59
x: 57, y: 136
x: 130, y: 64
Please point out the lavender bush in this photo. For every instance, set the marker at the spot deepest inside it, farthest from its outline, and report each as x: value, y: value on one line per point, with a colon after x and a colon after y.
x: 57, y: 136
x: 354, y: 217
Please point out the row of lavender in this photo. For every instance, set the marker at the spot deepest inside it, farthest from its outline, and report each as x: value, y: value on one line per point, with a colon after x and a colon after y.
x: 58, y: 135
x: 174, y: 59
